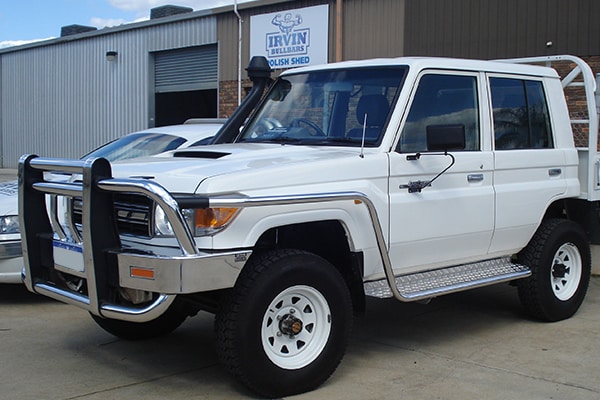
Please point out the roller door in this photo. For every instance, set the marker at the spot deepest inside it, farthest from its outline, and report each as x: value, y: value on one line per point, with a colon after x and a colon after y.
x: 192, y: 68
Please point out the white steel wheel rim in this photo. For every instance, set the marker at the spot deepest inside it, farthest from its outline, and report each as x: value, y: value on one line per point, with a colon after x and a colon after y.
x: 566, y: 271
x: 296, y: 327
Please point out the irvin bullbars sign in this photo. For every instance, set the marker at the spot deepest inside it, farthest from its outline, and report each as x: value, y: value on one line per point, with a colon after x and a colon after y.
x: 290, y: 44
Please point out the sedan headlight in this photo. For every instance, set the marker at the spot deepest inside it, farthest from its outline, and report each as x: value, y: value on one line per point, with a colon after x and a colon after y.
x: 201, y: 221
x: 9, y: 224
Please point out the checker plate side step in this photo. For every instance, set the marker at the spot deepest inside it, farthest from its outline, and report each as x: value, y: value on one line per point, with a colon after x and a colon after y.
x: 424, y: 285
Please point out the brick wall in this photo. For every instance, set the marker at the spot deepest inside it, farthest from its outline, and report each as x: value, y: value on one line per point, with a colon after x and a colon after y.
x: 576, y: 99
x: 228, y: 96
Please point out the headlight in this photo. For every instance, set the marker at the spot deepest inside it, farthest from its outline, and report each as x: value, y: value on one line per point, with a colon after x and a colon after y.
x: 201, y: 221
x: 162, y: 227
x: 9, y: 224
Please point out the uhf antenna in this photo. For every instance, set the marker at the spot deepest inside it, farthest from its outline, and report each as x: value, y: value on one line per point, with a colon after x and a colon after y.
x: 364, y: 132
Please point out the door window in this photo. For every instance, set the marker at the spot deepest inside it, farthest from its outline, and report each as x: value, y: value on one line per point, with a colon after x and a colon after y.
x: 521, y: 119
x: 441, y: 100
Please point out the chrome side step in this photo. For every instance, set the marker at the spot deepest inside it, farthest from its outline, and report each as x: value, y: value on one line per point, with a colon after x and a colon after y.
x: 424, y: 285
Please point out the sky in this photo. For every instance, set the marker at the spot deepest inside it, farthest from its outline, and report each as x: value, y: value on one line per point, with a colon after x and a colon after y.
x: 24, y: 21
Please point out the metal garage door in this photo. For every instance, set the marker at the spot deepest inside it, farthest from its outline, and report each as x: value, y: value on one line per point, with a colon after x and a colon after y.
x: 192, y: 68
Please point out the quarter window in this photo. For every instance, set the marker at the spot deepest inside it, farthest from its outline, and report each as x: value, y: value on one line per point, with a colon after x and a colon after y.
x: 521, y: 119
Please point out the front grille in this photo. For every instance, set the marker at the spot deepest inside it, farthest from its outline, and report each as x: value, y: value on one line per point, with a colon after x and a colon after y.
x: 133, y: 214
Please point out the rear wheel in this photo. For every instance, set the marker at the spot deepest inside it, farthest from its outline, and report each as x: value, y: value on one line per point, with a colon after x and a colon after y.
x: 285, y: 328
x: 560, y: 261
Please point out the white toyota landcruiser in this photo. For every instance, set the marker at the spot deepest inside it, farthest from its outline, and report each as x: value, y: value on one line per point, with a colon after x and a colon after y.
x: 408, y: 178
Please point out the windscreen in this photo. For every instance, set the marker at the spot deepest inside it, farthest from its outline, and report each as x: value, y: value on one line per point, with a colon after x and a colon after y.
x: 334, y: 107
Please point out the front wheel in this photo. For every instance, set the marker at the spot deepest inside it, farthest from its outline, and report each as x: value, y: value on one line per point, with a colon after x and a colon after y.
x: 560, y: 261
x: 285, y: 327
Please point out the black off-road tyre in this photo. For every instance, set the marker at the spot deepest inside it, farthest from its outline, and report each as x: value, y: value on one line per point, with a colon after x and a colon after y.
x: 560, y: 260
x: 285, y: 327
x: 161, y: 326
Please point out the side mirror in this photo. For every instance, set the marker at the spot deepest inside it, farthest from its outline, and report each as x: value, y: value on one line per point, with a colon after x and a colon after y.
x: 439, y: 138
x: 445, y: 137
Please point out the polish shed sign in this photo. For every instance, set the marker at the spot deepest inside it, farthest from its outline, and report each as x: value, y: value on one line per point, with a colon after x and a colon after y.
x: 291, y: 38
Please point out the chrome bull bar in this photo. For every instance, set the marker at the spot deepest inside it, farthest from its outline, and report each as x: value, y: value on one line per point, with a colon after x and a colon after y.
x: 40, y: 227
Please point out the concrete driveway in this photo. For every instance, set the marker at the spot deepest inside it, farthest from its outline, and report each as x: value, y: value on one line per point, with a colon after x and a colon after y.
x: 473, y: 345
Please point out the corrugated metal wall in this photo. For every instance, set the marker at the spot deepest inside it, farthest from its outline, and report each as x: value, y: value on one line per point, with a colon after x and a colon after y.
x: 64, y: 99
x: 373, y: 29
x: 502, y: 28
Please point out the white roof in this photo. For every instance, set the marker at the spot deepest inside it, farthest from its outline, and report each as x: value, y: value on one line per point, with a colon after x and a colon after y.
x: 436, y: 63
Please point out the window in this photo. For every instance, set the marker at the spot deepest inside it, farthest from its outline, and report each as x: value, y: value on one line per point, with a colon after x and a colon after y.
x: 521, y: 119
x: 442, y: 100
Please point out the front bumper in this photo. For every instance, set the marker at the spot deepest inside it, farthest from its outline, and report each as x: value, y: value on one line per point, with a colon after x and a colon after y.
x: 177, y: 275
x: 11, y: 262
x: 10, y: 249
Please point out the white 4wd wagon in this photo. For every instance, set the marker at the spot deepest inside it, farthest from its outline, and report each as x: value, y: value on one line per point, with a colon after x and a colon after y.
x: 408, y: 177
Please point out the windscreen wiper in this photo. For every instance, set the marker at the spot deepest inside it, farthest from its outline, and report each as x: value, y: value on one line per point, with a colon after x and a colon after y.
x: 336, y: 140
x: 278, y: 139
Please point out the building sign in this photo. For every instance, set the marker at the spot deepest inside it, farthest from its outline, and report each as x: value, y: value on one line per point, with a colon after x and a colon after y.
x: 291, y: 38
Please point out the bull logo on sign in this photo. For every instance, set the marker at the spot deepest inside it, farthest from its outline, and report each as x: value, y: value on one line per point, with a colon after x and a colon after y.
x: 287, y: 23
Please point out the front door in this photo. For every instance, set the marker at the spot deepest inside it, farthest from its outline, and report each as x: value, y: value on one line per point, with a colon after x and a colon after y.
x: 452, y: 220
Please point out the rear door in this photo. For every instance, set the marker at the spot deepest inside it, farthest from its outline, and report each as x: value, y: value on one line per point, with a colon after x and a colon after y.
x: 529, y: 169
